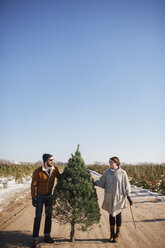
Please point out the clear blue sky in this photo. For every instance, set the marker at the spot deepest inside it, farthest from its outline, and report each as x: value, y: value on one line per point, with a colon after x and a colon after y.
x: 89, y: 72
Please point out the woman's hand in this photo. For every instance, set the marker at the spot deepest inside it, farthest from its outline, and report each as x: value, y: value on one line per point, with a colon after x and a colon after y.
x: 130, y: 201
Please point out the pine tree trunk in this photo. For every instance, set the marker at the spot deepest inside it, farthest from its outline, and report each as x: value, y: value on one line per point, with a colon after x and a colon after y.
x: 72, y: 239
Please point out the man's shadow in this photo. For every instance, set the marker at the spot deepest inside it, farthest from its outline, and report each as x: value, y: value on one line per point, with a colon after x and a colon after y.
x: 15, y: 238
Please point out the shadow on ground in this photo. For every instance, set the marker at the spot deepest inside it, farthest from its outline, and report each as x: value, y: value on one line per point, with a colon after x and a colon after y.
x: 61, y: 240
x: 15, y: 239
x: 149, y: 220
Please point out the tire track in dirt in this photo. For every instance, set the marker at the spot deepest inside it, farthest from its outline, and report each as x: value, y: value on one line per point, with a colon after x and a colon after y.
x: 14, y: 208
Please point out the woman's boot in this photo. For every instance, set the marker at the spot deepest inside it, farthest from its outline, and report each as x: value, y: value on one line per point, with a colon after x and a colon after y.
x: 117, y: 236
x: 112, y: 236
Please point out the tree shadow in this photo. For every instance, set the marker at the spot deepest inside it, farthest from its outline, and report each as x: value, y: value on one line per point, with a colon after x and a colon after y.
x: 152, y: 220
x: 149, y: 220
x: 93, y: 240
x: 148, y: 201
x: 61, y: 240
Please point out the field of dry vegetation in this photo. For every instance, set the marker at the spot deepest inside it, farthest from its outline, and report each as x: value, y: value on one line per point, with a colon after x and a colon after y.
x: 148, y: 176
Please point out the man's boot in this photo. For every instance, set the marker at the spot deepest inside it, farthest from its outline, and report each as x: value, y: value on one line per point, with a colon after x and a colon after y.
x: 117, y: 236
x: 34, y: 243
x: 112, y: 235
x: 48, y: 239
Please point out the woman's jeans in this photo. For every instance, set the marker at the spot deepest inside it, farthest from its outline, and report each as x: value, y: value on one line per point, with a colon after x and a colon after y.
x: 40, y: 201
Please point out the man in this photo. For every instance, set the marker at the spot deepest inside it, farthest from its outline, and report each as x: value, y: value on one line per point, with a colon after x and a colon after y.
x: 41, y: 190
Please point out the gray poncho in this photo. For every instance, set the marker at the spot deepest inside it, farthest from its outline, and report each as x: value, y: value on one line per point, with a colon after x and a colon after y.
x: 117, y: 188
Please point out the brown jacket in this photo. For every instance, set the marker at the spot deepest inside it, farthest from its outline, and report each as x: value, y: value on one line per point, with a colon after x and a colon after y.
x: 42, y: 182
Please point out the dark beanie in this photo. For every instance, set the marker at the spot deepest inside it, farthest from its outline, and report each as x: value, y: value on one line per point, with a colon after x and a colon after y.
x: 46, y: 156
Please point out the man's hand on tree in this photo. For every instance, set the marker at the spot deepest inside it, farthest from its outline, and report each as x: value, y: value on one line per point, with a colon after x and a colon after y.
x: 94, y: 183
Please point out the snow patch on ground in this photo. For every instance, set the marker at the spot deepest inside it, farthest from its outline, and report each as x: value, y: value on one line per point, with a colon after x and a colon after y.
x: 9, y: 186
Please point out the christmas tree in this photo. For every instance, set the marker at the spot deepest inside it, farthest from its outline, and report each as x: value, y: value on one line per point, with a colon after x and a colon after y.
x: 75, y: 198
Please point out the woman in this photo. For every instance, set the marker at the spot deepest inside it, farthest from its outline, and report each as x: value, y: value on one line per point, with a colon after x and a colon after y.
x: 117, y: 189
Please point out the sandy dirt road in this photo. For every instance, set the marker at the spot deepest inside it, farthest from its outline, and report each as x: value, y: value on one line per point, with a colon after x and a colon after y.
x: 16, y: 223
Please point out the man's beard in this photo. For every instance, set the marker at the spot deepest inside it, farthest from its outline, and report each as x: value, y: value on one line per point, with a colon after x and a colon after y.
x: 49, y: 165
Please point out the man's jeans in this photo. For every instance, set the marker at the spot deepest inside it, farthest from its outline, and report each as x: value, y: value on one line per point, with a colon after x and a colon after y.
x: 41, y: 200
